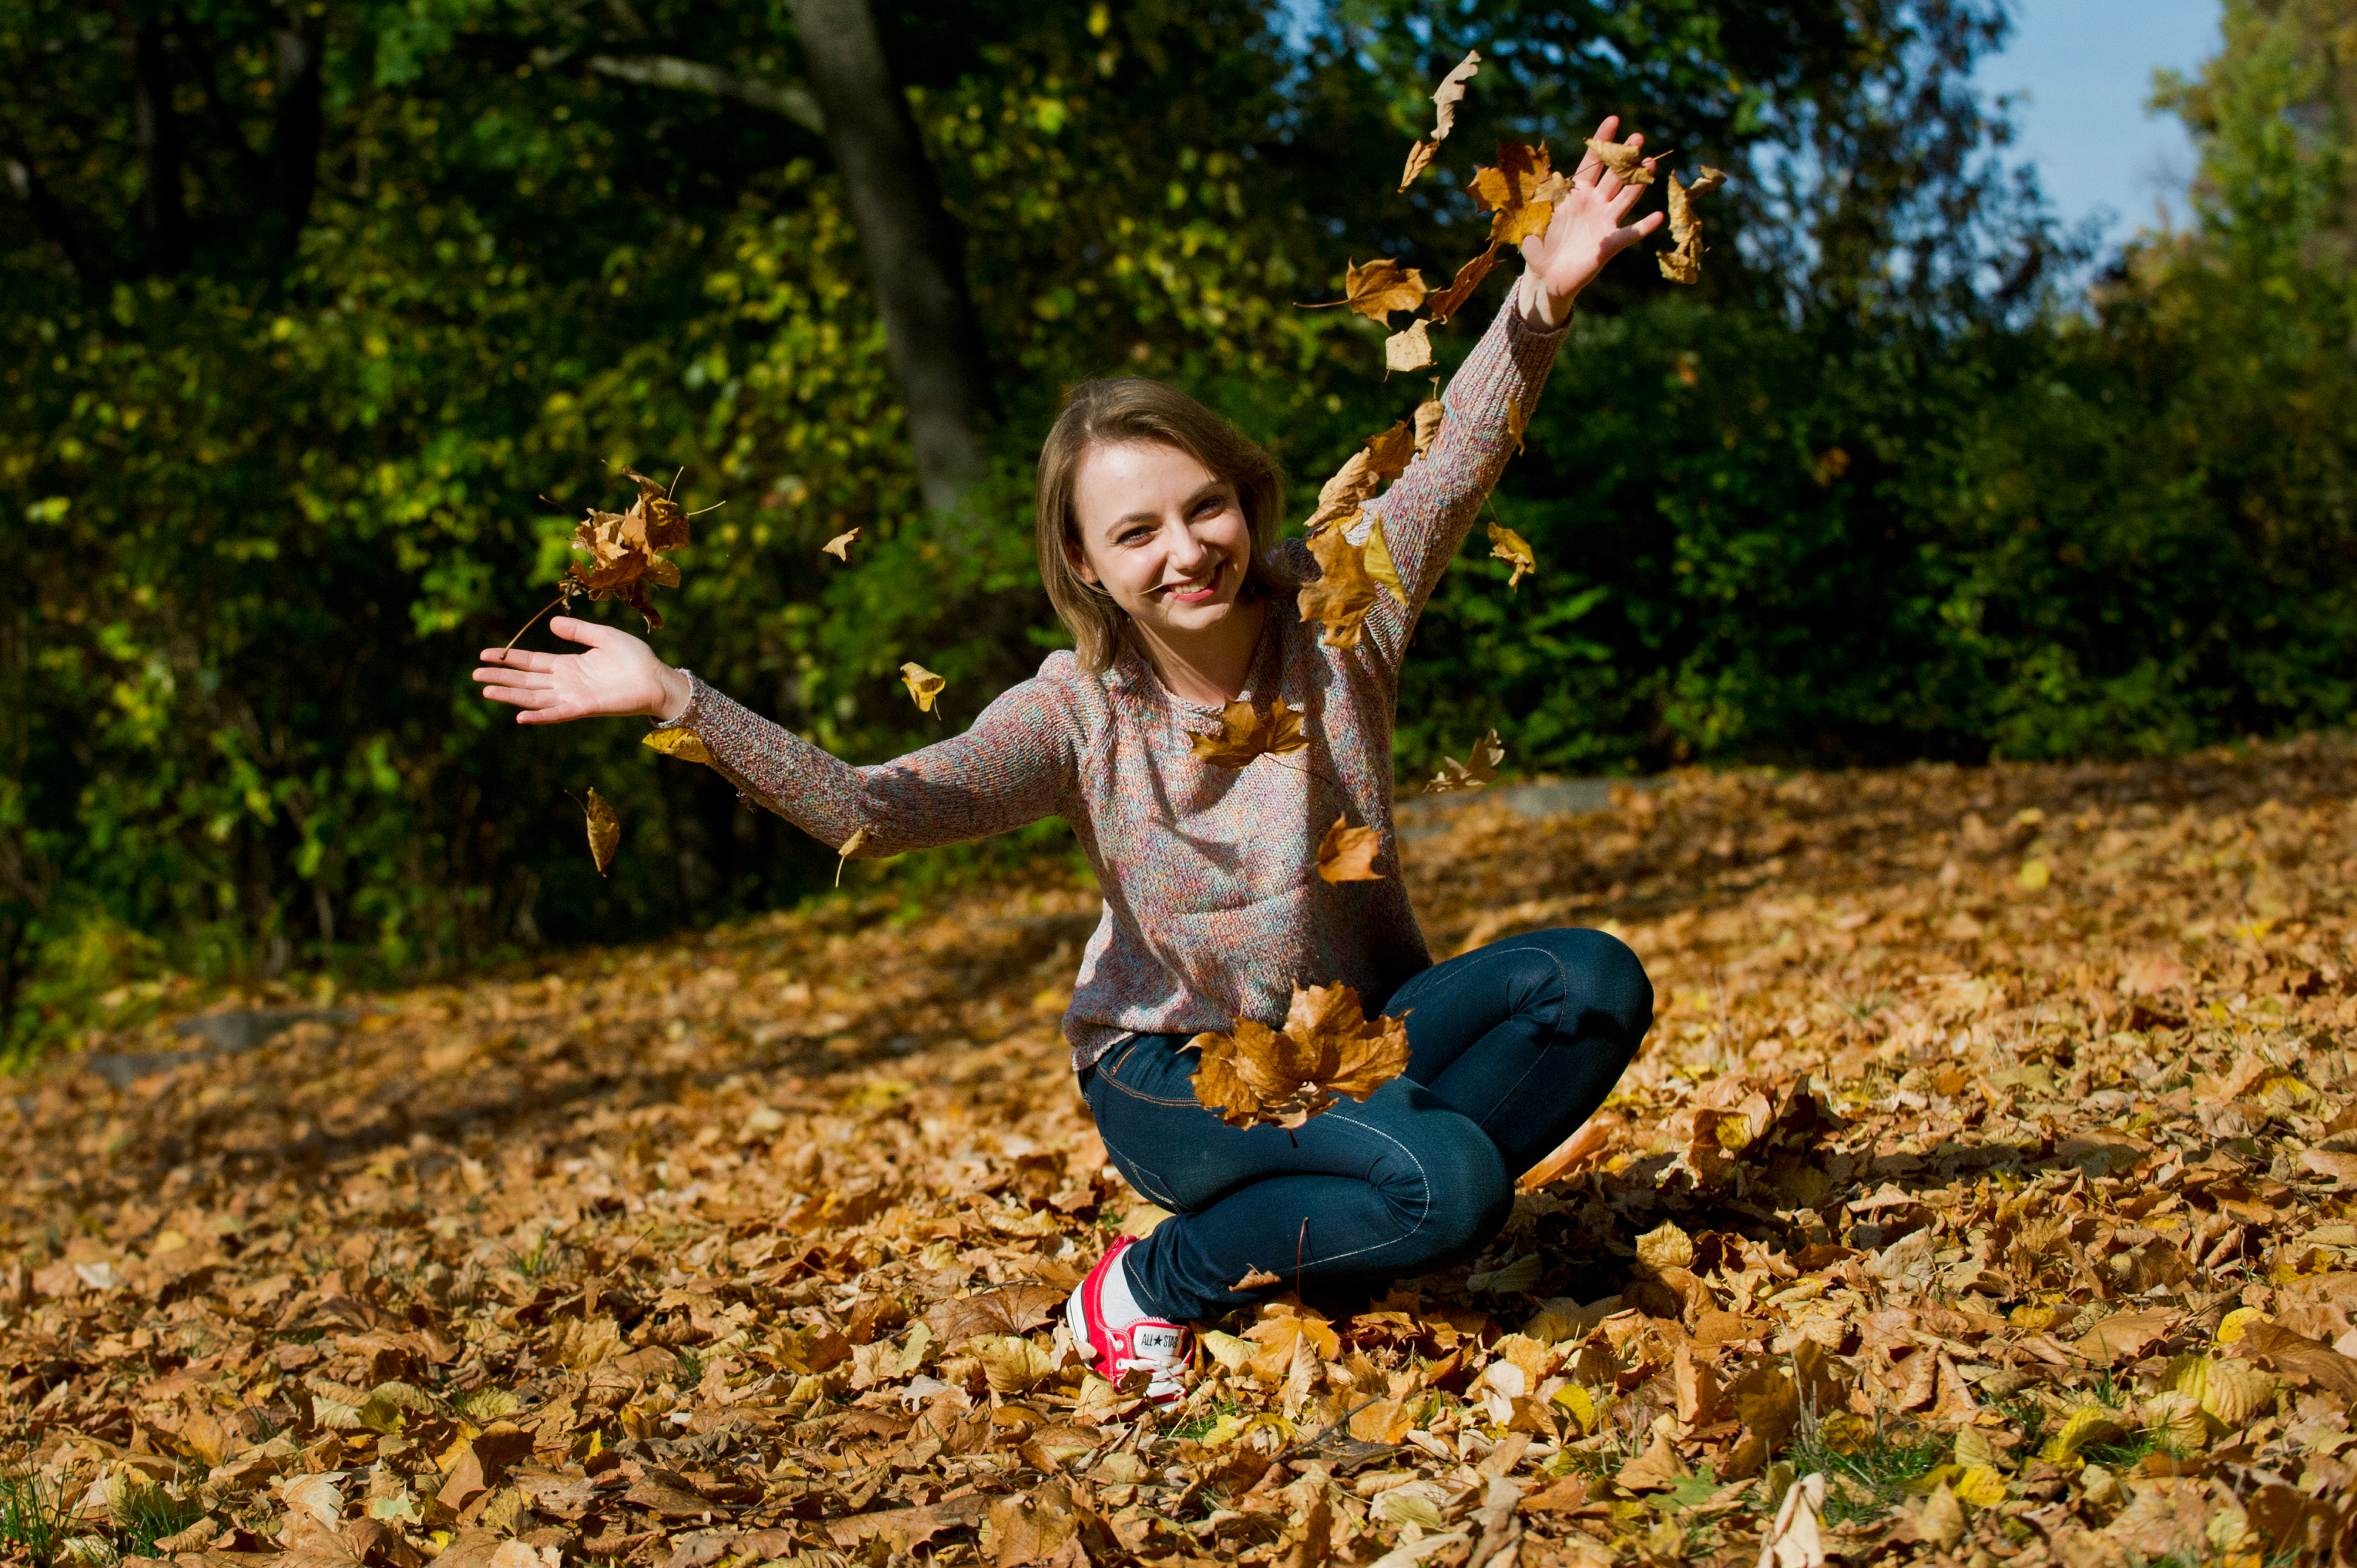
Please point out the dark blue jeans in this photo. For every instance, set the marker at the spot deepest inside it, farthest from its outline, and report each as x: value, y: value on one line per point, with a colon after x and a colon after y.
x: 1512, y: 1047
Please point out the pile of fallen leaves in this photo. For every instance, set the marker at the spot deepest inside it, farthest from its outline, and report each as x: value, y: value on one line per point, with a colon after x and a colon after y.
x: 1980, y: 1194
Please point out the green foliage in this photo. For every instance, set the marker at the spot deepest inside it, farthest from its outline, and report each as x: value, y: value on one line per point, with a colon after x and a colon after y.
x: 1868, y: 493
x: 36, y: 1516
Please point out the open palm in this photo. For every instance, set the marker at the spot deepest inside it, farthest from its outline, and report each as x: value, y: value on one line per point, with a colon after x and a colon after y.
x: 1587, y: 231
x: 618, y: 677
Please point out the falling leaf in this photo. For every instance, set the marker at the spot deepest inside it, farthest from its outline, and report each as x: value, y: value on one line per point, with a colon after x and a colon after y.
x: 627, y: 550
x: 1377, y: 288
x: 605, y: 829
x: 682, y: 744
x: 1348, y: 853
x: 1518, y: 191
x: 1328, y: 1049
x: 1376, y: 556
x: 851, y: 846
x: 1507, y: 545
x: 1427, y: 419
x: 1479, y: 768
x: 1244, y: 734
x: 1389, y: 451
x: 923, y: 685
x: 1409, y: 349
x: 1419, y: 158
x: 1257, y: 1279
x: 1342, y: 593
x: 840, y: 545
x: 1625, y: 159
x: 1450, y: 300
x: 1451, y: 92
x: 1682, y: 263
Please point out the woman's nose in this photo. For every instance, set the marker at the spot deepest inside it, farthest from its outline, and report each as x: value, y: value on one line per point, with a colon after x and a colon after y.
x: 1188, y: 553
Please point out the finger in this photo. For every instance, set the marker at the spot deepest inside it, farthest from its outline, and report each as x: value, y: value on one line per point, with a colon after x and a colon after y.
x: 1591, y: 166
x: 588, y: 632
x: 520, y: 659
x: 513, y: 696
x: 521, y: 680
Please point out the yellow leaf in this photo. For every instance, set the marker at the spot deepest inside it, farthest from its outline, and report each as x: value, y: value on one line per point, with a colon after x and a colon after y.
x: 840, y: 545
x: 2033, y: 875
x: 1579, y: 1402
x: 1507, y: 545
x: 923, y: 685
x: 1376, y: 556
x: 2088, y: 1424
x: 1981, y: 1486
x: 683, y: 744
x: 2231, y: 1328
x: 1665, y: 1247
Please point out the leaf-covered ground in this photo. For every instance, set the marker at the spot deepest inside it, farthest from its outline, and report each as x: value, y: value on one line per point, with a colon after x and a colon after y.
x: 1988, y: 1163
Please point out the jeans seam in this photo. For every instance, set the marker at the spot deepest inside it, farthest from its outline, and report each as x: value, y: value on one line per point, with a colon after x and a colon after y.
x: 1112, y: 1077
x: 1424, y: 1203
x: 1554, y: 1028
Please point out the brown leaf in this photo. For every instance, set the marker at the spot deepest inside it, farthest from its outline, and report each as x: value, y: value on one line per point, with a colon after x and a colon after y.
x: 1451, y: 92
x: 625, y: 549
x: 1348, y: 853
x: 605, y: 829
x: 851, y: 846
x: 1479, y: 768
x: 1519, y: 192
x: 1682, y: 263
x: 1452, y: 300
x: 1419, y: 158
x: 840, y: 545
x: 1389, y: 451
x: 2124, y: 1336
x: 1409, y: 349
x: 1254, y: 1279
x: 1015, y: 1309
x: 1657, y: 1469
x: 1244, y: 734
x: 923, y: 685
x: 1337, y: 501
x: 1328, y: 1049
x: 1625, y: 159
x: 2300, y: 1358
x: 1342, y: 593
x: 1507, y: 545
x: 1376, y: 288
x: 1427, y: 419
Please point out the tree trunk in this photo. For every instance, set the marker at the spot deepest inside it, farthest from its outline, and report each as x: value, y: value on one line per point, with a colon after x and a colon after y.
x: 294, y: 136
x: 163, y: 207
x: 913, y: 248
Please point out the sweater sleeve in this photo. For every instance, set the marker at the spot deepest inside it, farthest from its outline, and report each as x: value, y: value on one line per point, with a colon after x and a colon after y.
x: 1018, y: 764
x: 1428, y: 510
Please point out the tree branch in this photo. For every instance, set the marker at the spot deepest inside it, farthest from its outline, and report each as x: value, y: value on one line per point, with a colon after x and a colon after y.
x: 693, y: 76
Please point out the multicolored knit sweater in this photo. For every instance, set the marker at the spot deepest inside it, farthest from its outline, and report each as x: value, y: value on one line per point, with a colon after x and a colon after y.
x: 1214, y: 906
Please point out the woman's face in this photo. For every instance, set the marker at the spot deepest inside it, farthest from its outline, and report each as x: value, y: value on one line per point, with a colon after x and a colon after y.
x: 1161, y: 533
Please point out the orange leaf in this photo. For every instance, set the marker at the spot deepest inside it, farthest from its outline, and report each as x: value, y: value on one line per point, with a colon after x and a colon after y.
x: 1348, y: 853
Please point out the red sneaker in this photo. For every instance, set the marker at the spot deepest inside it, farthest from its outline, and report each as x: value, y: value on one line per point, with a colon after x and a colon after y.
x: 1161, y: 1350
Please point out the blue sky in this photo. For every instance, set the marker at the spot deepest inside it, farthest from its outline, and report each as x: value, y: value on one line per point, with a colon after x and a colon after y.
x: 2086, y: 66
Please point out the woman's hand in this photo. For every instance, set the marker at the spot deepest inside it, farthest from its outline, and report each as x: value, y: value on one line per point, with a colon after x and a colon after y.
x: 1585, y: 232
x: 618, y: 677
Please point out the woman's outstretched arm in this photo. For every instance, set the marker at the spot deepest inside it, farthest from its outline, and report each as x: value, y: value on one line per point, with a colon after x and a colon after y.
x: 1015, y: 765
x: 1433, y: 506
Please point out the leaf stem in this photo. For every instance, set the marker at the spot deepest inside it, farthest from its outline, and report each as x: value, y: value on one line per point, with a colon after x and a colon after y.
x: 543, y: 609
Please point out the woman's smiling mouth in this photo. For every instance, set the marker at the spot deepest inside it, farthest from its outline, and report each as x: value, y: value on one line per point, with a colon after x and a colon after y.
x: 1198, y: 590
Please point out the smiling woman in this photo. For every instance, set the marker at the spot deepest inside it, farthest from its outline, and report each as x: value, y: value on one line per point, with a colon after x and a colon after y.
x: 1156, y: 536
x: 1157, y: 518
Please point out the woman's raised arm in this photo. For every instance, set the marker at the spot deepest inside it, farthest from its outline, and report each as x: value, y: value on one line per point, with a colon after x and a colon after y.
x: 1427, y: 515
x: 1015, y: 765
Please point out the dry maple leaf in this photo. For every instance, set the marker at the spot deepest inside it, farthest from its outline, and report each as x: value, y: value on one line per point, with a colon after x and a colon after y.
x: 1378, y: 288
x: 840, y: 545
x: 1015, y: 1309
x: 1342, y: 593
x: 1389, y: 452
x: 605, y: 829
x: 627, y: 550
x: 1329, y: 1050
x: 922, y: 683
x: 1348, y: 854
x: 1427, y: 419
x: 1683, y: 262
x: 1452, y: 300
x: 1451, y: 92
x: 1625, y: 159
x: 1479, y: 768
x: 683, y: 744
x: 1409, y: 349
x: 1244, y: 734
x: 1419, y: 158
x: 1507, y: 545
x: 1338, y: 499
x: 1522, y: 191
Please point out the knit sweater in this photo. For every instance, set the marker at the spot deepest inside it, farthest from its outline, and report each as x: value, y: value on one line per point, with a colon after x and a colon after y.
x: 1214, y: 906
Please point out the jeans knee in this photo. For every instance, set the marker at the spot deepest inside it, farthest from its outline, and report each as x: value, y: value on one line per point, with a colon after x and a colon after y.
x: 1468, y: 1191
x: 1605, y: 979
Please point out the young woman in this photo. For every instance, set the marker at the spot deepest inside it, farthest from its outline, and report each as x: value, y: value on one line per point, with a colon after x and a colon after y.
x: 1157, y: 527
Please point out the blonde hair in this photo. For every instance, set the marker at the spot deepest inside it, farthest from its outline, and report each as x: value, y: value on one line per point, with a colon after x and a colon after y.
x: 1120, y: 409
